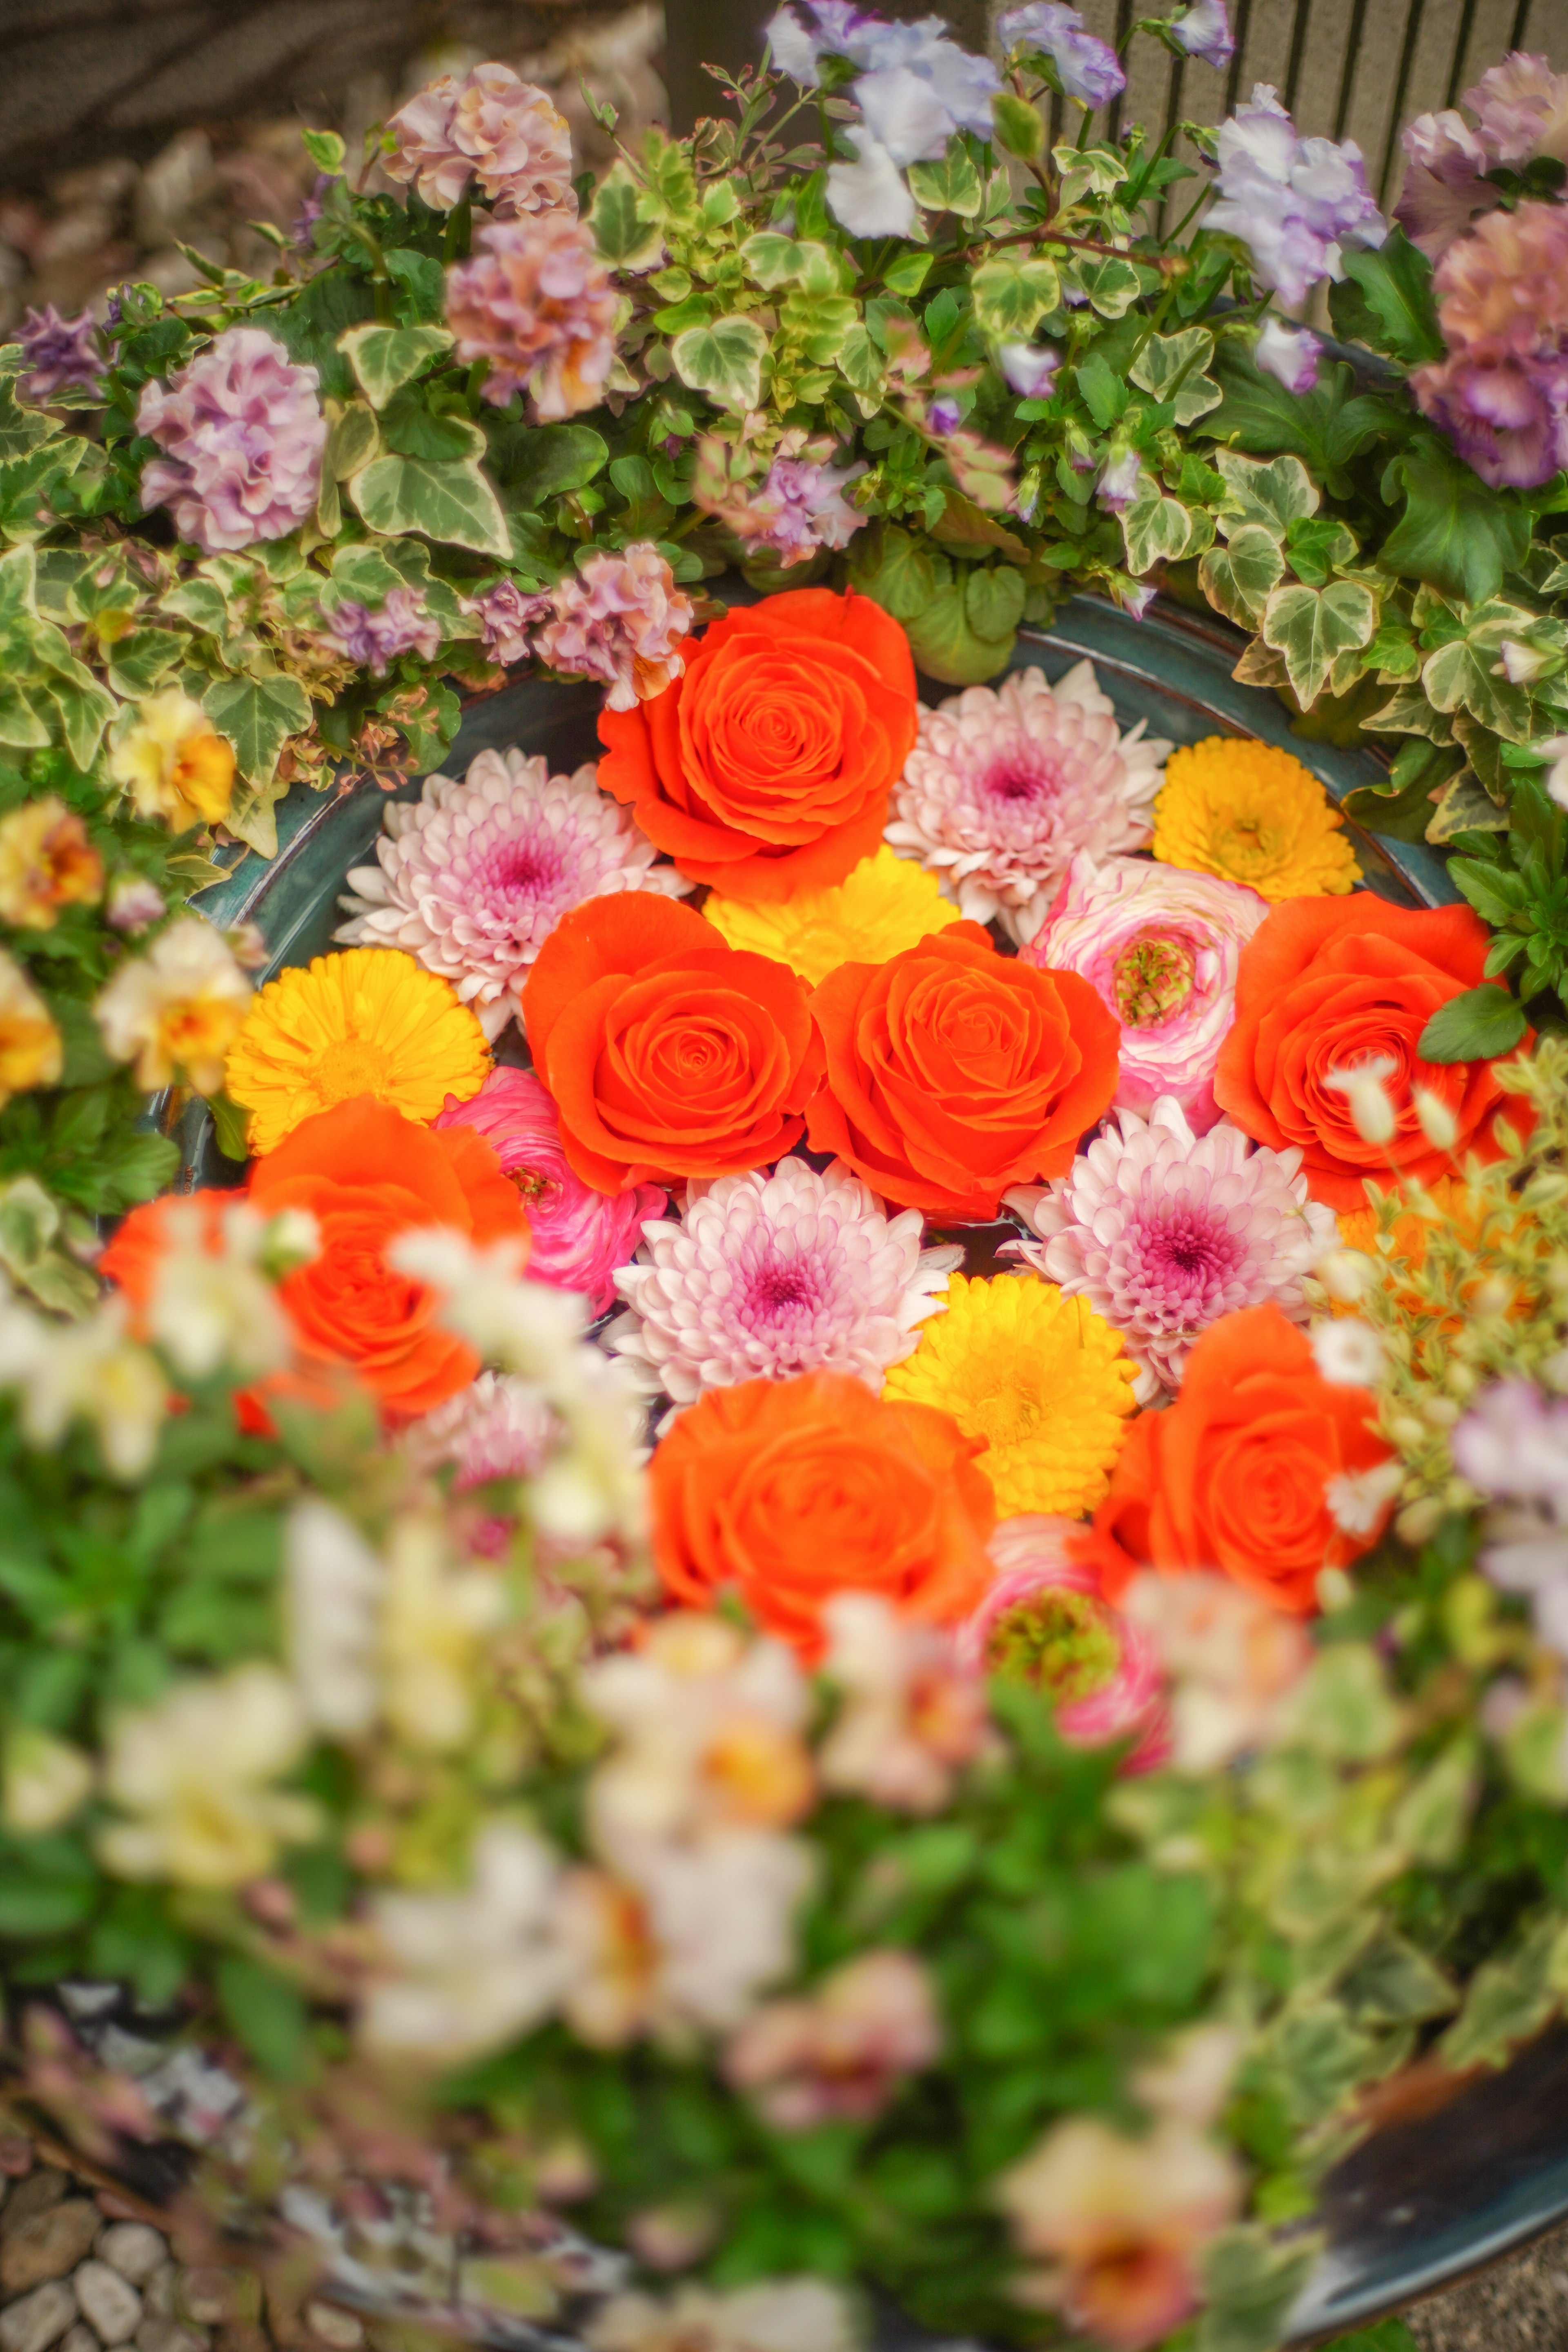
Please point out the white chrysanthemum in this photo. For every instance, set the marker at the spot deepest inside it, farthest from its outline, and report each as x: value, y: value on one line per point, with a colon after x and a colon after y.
x: 1163, y: 1234
x: 1007, y: 783
x: 768, y: 1275
x: 474, y: 875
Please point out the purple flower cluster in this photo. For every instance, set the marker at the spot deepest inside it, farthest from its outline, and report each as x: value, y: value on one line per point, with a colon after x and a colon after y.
x: 1293, y: 200
x: 242, y: 433
x: 372, y: 641
x: 799, y: 508
x: 1501, y: 394
x: 1513, y: 1446
x: 62, y: 355
x: 505, y: 614
x: 1089, y: 70
x: 1521, y: 111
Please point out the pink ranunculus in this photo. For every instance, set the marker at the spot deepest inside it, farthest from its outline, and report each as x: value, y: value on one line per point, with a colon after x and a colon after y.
x: 1162, y: 947
x: 1046, y: 1621
x: 579, y: 1237
x: 242, y: 433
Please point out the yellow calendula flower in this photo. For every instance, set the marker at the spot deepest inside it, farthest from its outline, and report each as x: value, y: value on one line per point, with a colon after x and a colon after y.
x: 1043, y: 1378
x: 47, y: 862
x: 31, y: 1053
x: 1252, y: 814
x: 175, y: 764
x: 883, y: 907
x: 368, y: 1022
x: 176, y: 1010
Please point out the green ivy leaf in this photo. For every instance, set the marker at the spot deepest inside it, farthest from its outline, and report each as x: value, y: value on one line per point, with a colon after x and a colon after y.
x: 1395, y: 311
x: 897, y: 572
x: 325, y: 150
x: 383, y: 359
x: 1456, y: 533
x: 1461, y: 676
x: 771, y: 259
x: 1013, y: 292
x: 1249, y: 2285
x: 258, y: 715
x: 1272, y: 495
x: 993, y: 600
x: 1238, y: 579
x: 448, y: 502
x: 545, y: 461
x: 724, y: 360
x: 86, y: 710
x: 947, y: 645
x: 1310, y: 625
x: 415, y: 431
x: 1156, y: 529
x: 1165, y: 358
x: 951, y: 184
x: 1112, y: 287
x: 1475, y: 1026
x: 419, y: 286
x: 625, y: 238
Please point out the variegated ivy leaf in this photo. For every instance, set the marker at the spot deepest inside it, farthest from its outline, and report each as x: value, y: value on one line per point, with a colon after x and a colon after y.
x: 860, y: 365
x: 625, y: 230
x: 771, y: 258
x: 1249, y: 2285
x: 1167, y: 361
x: 951, y: 184
x: 1274, y: 495
x: 1261, y: 665
x: 817, y: 324
x: 1431, y: 1818
x: 1392, y: 1982
x: 1310, y: 625
x: 1342, y: 1710
x: 384, y: 359
x: 1101, y: 169
x: 1408, y: 712
x: 1111, y: 286
x: 1462, y: 675
x: 1013, y: 292
x: 1238, y: 579
x: 1156, y: 529
x: 724, y: 360
x: 1506, y: 2002
x: 453, y: 503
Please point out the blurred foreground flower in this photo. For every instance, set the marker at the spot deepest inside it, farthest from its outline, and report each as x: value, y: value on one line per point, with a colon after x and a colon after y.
x: 913, y: 1711
x: 791, y: 2315
x: 1521, y: 111
x: 90, y: 1372
x: 1501, y: 394
x: 840, y: 2053
x: 470, y: 1970
x: 195, y: 1772
x: 176, y: 1010
x: 32, y: 1052
x: 1230, y: 1657
x: 173, y: 762
x: 1513, y: 1446
x: 57, y: 355
x: 47, y: 862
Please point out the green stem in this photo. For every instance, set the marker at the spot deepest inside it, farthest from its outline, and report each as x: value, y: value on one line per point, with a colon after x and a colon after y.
x: 457, y: 237
x: 1156, y: 322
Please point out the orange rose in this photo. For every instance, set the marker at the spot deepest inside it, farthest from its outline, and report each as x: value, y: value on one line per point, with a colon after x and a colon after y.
x: 1326, y: 983
x: 788, y: 1492
x: 765, y: 769
x: 1236, y: 1475
x: 366, y: 1174
x: 668, y: 1053
x: 953, y: 1072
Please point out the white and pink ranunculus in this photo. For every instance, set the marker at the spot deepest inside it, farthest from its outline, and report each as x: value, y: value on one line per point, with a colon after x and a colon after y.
x: 1008, y: 784
x: 1162, y: 947
x: 1044, y: 1621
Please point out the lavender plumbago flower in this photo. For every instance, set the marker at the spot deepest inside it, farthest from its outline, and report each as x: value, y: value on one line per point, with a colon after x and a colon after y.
x: 1029, y: 368
x: 1204, y: 31
x: 372, y: 641
x: 1089, y: 70
x: 61, y: 355
x: 767, y: 1275
x: 1291, y: 353
x: 797, y: 509
x: 1293, y: 201
x: 505, y: 614
x: 1513, y: 1446
x: 242, y: 434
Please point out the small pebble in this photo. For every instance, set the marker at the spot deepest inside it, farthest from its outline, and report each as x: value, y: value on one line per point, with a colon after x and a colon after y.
x: 109, y: 2302
x: 37, y: 2320
x: 78, y: 2339
x: 39, y: 2246
x: 339, y: 2329
x: 165, y: 2335
x: 159, y: 2291
x: 209, y: 2294
x: 39, y: 2190
x: 133, y: 2248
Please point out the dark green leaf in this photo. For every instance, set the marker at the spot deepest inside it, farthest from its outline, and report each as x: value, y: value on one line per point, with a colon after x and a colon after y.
x: 86, y: 1062
x: 1455, y: 533
x: 266, y: 2014
x: 415, y: 431
x: 537, y: 462
x: 1473, y: 1027
x: 421, y: 287
x: 1392, y: 309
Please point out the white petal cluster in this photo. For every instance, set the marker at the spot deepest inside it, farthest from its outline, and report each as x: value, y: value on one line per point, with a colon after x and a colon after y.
x: 765, y: 1275
x: 194, y: 1775
x: 92, y: 1371
x: 1006, y: 784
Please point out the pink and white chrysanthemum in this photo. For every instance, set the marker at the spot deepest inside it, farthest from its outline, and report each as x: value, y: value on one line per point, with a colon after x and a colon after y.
x: 1164, y: 1232
x: 769, y: 1276
x: 474, y: 876
x: 1007, y: 783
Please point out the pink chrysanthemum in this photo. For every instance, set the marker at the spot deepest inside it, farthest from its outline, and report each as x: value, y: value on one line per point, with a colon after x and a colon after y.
x: 770, y: 1276
x: 1164, y: 1232
x: 1007, y: 783
x: 577, y: 1236
x: 620, y: 619
x: 536, y: 301
x: 499, y: 1427
x: 474, y: 876
x: 242, y: 433
x: 488, y: 126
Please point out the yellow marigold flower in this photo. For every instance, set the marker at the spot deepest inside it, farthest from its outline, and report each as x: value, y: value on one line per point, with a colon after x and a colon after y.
x: 883, y: 907
x: 174, y: 763
x: 1253, y: 813
x: 176, y: 1010
x: 368, y: 1022
x: 1042, y: 1377
x: 47, y: 862
x: 31, y: 1053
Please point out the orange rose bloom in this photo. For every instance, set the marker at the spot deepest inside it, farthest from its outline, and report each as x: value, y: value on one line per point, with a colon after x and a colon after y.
x: 765, y: 768
x: 788, y: 1492
x: 668, y: 1053
x: 1235, y: 1474
x: 953, y: 1072
x: 1326, y: 983
x: 366, y: 1174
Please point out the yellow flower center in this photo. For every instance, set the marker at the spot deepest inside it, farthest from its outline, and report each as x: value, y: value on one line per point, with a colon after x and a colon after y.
x: 352, y: 1066
x: 1010, y: 1412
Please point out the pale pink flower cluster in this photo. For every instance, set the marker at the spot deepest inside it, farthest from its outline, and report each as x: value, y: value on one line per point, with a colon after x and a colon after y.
x: 242, y: 434
x: 1007, y: 784
x: 536, y: 301
x: 577, y: 1237
x: 372, y: 641
x: 1232, y: 1659
x: 766, y: 1275
x: 913, y: 1711
x: 839, y: 2054
x: 473, y: 876
x: 505, y: 614
x: 1163, y: 1234
x: 486, y: 126
x: 499, y: 1427
x: 1501, y: 394
x: 1045, y: 1620
x: 1162, y: 947
x: 797, y: 509
x: 1521, y: 111
x: 619, y: 618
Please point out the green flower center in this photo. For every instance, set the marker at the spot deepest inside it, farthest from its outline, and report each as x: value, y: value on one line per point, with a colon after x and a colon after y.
x: 1059, y: 1640
x: 1153, y: 977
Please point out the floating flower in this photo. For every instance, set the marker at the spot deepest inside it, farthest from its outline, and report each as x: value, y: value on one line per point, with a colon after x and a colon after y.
x: 59, y: 355
x: 45, y: 1781
x: 1007, y: 783
x: 913, y: 1708
x: 195, y: 1772
x: 473, y: 876
x: 176, y: 1010
x: 577, y: 1236
x: 619, y: 618
x: 1235, y: 1473
x: 242, y: 434
x: 1037, y: 1380
x: 47, y: 862
x: 1293, y: 201
x: 466, y: 1970
x: 840, y: 2053
x: 372, y: 641
x: 885, y: 905
x: 536, y: 301
x: 765, y: 769
x: 1252, y: 814
x: 1163, y: 1234
x: 87, y: 1371
x: 1501, y: 394
x: 32, y: 1053
x: 790, y: 1491
x: 1123, y: 2223
x: 1232, y: 1656
x: 1162, y: 947
x: 1513, y: 1446
x: 369, y: 1022
x: 505, y: 614
x: 1046, y: 1623
x: 484, y: 126
x: 766, y: 1275
x: 174, y: 763
x: 1089, y: 70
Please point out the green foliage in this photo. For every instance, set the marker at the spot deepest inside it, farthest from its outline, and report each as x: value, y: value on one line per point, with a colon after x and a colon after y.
x: 1385, y: 300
